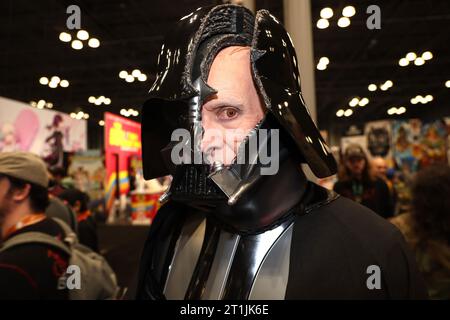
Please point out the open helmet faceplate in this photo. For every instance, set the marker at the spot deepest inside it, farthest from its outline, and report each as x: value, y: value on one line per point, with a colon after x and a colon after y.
x: 180, y: 88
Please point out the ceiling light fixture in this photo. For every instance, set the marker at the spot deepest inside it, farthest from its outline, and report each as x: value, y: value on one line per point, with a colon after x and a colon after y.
x: 348, y: 112
x: 100, y: 100
x: 427, y: 55
x: 322, y: 24
x: 65, y: 37
x: 394, y: 110
x: 363, y: 102
x: 423, y: 100
x: 129, y: 112
x: 326, y: 13
x: 64, y: 83
x: 343, y: 22
x: 136, y: 74
x: 323, y: 63
x: 354, y: 102
x: 403, y: 62
x: 83, y: 35
x: 413, y: 57
x: 123, y: 74
x: 54, y: 81
x: 419, y: 61
x: 78, y: 39
x: 142, y: 77
x: 348, y: 11
x: 94, y: 43
x: 77, y: 44
x: 80, y: 115
x: 43, y: 80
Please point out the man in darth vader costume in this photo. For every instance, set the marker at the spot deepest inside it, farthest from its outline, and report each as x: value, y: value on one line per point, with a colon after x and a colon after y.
x: 240, y: 220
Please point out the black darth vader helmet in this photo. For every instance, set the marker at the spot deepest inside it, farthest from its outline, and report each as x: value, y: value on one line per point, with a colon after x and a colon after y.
x: 177, y: 95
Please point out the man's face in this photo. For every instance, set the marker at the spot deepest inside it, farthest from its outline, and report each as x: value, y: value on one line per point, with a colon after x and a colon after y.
x: 379, y: 167
x: 229, y: 115
x: 6, y: 202
x: 356, y: 165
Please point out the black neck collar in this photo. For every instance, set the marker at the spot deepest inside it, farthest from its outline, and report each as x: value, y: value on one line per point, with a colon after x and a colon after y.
x: 267, y: 204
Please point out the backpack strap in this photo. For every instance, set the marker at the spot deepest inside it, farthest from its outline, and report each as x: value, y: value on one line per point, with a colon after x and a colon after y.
x: 70, y: 236
x: 35, y: 237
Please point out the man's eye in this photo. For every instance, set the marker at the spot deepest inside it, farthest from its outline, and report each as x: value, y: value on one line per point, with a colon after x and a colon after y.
x: 228, y: 114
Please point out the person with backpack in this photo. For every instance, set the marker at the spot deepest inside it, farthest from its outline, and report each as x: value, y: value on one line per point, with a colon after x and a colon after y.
x: 31, y: 270
x: 40, y: 257
x: 58, y: 209
x: 78, y: 201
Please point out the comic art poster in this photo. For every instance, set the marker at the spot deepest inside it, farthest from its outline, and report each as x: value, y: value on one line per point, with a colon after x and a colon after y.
x: 415, y: 145
x: 88, y: 171
x: 447, y: 123
x: 46, y: 133
x: 433, y: 143
x: 406, y: 136
x: 418, y: 145
x: 379, y: 144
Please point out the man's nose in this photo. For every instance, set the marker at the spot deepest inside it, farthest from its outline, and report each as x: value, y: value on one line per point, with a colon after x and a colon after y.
x: 209, y: 136
x: 210, y: 140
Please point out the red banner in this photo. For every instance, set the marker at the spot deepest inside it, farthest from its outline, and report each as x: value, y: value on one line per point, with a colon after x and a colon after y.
x: 122, y: 143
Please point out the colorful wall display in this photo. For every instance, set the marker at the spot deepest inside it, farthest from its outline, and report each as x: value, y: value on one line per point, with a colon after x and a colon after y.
x: 407, y: 145
x: 122, y: 144
x: 434, y: 143
x: 88, y: 172
x: 447, y: 122
x: 46, y: 133
x: 144, y: 207
x: 417, y: 145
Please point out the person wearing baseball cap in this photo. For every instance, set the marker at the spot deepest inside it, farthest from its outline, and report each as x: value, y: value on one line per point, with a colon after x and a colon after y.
x: 357, y: 182
x: 30, y: 270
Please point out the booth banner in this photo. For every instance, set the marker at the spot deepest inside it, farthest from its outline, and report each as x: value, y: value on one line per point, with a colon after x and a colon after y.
x: 122, y: 143
x: 88, y: 171
x: 144, y: 207
x: 44, y: 132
